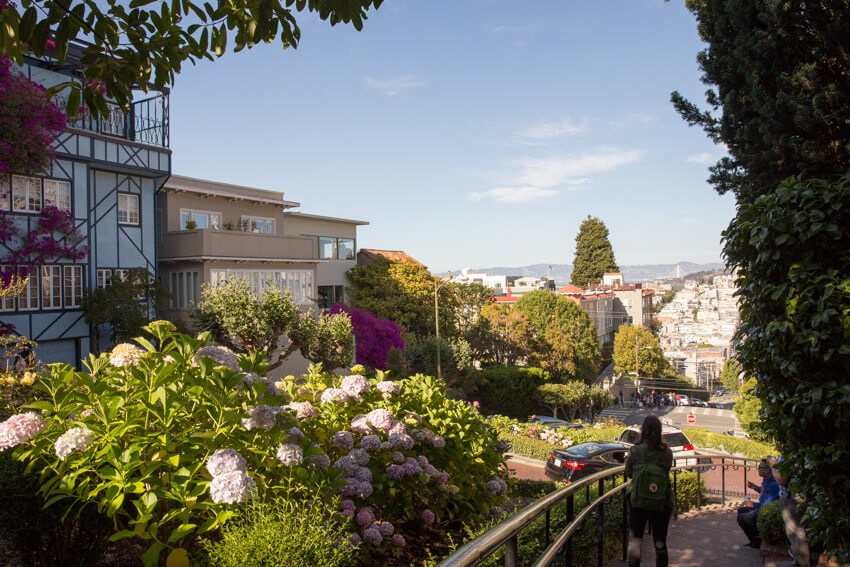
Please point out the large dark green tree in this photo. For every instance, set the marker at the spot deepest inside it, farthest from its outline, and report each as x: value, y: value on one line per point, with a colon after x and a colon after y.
x: 594, y: 255
x: 778, y: 77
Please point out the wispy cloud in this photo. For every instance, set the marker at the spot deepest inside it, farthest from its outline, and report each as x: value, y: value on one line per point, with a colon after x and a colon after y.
x: 540, y: 178
x: 635, y: 119
x: 703, y: 158
x: 549, y: 130
x: 393, y: 86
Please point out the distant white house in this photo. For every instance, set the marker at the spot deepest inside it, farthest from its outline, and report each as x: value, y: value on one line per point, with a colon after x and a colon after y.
x: 499, y: 284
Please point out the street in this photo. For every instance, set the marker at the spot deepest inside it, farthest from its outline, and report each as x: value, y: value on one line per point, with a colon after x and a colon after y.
x: 716, y: 420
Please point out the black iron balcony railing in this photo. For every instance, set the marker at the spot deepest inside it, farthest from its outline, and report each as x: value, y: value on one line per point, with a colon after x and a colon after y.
x: 612, y: 487
x: 146, y: 123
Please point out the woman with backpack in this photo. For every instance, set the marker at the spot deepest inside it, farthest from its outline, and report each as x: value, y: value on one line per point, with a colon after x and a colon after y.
x: 648, y: 465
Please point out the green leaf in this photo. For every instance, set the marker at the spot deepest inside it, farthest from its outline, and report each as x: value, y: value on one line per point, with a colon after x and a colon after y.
x: 181, y: 531
x: 150, y: 558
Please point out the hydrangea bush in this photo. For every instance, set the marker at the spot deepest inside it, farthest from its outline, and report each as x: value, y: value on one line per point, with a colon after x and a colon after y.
x: 168, y: 436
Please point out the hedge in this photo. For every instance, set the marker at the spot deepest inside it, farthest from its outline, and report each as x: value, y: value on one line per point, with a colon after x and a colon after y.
x: 735, y: 445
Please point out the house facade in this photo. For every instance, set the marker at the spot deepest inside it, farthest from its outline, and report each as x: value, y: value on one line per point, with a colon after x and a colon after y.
x: 106, y: 174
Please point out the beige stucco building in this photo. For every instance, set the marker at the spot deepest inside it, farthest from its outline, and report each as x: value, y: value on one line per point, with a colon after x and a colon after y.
x: 208, y: 231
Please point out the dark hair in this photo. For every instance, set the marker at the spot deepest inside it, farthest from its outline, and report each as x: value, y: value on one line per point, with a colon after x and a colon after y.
x: 650, y: 433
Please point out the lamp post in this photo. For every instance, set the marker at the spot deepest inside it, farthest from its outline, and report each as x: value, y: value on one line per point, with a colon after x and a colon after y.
x: 437, y: 288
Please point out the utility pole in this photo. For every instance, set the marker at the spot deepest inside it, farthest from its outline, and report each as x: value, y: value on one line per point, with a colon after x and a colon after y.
x: 637, y: 365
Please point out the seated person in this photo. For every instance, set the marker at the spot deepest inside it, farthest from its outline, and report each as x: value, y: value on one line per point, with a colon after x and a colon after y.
x: 748, y: 513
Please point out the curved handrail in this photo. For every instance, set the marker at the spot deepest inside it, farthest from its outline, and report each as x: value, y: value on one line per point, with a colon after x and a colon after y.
x: 490, y: 541
x: 482, y: 546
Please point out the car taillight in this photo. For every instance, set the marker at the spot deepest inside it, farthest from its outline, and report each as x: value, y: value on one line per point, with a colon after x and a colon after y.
x: 688, y: 447
x: 575, y: 465
x: 551, y: 456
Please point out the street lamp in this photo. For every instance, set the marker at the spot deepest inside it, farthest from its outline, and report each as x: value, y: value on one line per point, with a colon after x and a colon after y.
x: 437, y: 288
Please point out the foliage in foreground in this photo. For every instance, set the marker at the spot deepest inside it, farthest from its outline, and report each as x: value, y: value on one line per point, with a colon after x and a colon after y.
x: 163, y: 439
x: 794, y: 280
x: 282, y: 532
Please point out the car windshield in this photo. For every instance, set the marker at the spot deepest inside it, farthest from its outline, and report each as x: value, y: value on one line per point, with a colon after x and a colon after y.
x: 677, y: 439
x: 584, y: 449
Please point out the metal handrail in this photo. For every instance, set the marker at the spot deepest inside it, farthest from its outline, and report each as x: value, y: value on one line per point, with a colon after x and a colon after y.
x: 505, y: 533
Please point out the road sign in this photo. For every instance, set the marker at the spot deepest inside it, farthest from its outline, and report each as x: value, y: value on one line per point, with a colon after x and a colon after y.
x: 667, y: 421
x: 692, y: 418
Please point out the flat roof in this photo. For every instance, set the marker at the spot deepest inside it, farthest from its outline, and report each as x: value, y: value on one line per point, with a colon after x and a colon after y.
x: 321, y: 217
x: 227, y: 190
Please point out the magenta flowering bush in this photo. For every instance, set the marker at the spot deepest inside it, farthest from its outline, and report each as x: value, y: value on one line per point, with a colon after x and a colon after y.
x: 374, y: 337
x: 29, y: 123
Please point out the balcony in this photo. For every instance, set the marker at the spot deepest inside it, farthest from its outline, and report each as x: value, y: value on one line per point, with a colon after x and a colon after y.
x: 146, y: 123
x: 210, y: 244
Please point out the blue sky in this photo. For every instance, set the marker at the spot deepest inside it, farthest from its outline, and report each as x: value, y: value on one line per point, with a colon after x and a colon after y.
x: 472, y: 132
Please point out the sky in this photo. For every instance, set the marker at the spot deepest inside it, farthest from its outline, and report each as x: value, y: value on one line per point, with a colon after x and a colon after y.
x: 472, y: 133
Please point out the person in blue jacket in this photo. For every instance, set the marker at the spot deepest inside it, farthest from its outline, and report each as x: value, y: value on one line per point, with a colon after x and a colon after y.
x: 748, y: 513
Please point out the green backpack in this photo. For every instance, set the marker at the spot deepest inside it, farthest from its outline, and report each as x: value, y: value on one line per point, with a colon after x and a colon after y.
x: 649, y: 483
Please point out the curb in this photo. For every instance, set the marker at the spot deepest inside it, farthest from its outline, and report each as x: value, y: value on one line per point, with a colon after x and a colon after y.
x: 525, y: 460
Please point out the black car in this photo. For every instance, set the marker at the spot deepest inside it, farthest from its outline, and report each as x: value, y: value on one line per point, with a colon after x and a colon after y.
x: 584, y: 459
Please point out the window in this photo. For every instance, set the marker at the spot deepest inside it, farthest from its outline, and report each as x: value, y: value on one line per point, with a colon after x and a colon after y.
x: 346, y: 249
x: 257, y: 224
x: 5, y: 192
x: 26, y: 194
x: 202, y: 219
x: 73, y: 285
x: 104, y: 278
x: 128, y: 208
x: 185, y: 289
x: 7, y: 303
x: 299, y: 283
x: 51, y: 287
x: 327, y: 248
x: 57, y: 194
x: 330, y: 294
x: 121, y: 274
x: 113, y: 122
x: 28, y: 299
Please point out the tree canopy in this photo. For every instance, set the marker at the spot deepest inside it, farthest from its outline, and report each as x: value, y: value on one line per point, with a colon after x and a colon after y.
x: 730, y: 374
x: 594, y: 254
x: 147, y: 42
x: 502, y: 335
x: 778, y: 74
x: 634, y: 343
x: 566, y: 344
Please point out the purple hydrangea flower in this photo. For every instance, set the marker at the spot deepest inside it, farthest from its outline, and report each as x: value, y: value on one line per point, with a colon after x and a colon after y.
x: 373, y: 536
x: 360, y: 456
x: 385, y: 528
x: 354, y: 539
x: 343, y: 440
x: 350, y: 488
x: 348, y: 465
x: 364, y: 489
x: 431, y: 470
x: 442, y: 478
x: 370, y: 442
x: 360, y: 425
x: 260, y: 417
x: 365, y: 517
x: 402, y: 440
x: 320, y: 461
x: 347, y: 504
x: 294, y: 434
x: 232, y: 488
x: 225, y: 461
x: 363, y: 474
x: 439, y: 442
x: 496, y: 486
x: 398, y: 457
x: 422, y: 460
x: 398, y: 540
x: 395, y: 472
x: 428, y: 516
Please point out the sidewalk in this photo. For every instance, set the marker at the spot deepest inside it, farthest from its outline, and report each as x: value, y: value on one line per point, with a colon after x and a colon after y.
x: 707, y: 537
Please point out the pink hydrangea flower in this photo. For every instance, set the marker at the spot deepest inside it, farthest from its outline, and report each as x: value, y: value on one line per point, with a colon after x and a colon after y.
x: 388, y: 387
x: 333, y: 394
x: 232, y: 488
x: 381, y: 418
x: 303, y: 410
x: 360, y: 424
x: 355, y: 385
x: 225, y: 461
x: 398, y: 427
x: 20, y: 428
x: 290, y: 455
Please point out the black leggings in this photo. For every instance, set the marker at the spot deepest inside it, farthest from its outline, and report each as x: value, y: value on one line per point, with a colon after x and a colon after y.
x: 659, y: 522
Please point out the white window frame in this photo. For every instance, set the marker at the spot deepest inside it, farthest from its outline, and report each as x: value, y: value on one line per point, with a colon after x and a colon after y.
x: 120, y: 274
x: 104, y: 278
x: 61, y: 191
x: 299, y: 283
x: 28, y: 300
x: 214, y: 221
x: 27, y: 189
x: 334, y: 245
x: 73, y: 285
x: 124, y: 206
x: 246, y: 220
x: 113, y: 123
x: 7, y: 303
x: 51, y: 287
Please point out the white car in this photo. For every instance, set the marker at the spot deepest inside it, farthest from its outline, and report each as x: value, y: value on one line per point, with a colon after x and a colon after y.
x: 677, y: 440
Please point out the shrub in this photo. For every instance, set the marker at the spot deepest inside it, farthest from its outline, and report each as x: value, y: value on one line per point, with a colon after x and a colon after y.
x: 138, y: 436
x: 282, y: 532
x: 509, y: 390
x: 735, y: 445
x: 687, y: 490
x: 770, y: 524
x: 374, y: 337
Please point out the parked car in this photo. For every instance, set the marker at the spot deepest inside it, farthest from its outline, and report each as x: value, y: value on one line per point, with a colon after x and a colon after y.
x: 554, y: 422
x: 677, y: 440
x: 683, y: 400
x: 583, y: 460
x: 699, y: 403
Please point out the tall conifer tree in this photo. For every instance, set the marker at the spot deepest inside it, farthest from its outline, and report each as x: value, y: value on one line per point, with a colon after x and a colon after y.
x: 594, y: 255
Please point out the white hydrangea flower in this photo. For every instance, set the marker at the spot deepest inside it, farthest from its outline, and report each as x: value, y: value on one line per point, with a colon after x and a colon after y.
x: 388, y: 387
x: 333, y: 394
x: 261, y: 417
x: 232, y: 488
x: 290, y: 454
x: 222, y: 356
x: 75, y: 439
x: 124, y: 355
x: 224, y: 461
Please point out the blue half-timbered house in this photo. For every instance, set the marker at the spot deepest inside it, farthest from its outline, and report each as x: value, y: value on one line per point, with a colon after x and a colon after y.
x: 106, y: 173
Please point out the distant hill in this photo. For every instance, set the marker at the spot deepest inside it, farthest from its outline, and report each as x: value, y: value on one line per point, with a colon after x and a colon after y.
x: 633, y: 274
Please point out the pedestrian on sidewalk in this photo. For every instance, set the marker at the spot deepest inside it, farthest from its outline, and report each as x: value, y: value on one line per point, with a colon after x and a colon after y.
x: 749, y: 512
x: 648, y: 465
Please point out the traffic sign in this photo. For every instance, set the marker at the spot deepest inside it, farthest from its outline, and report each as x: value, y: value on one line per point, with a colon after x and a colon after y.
x: 692, y: 418
x: 667, y: 421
